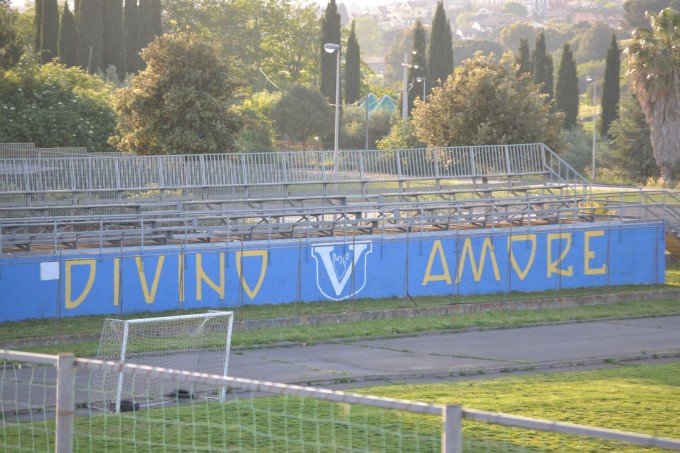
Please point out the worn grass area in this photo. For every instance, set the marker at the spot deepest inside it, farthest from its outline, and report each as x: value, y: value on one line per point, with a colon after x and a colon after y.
x: 631, y: 398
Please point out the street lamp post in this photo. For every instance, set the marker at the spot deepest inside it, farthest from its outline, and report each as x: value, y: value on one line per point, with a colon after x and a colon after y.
x: 422, y: 80
x: 404, y: 98
x: 330, y: 48
x: 594, y: 81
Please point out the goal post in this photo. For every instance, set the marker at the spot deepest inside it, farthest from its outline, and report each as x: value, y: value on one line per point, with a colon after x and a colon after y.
x: 199, y: 343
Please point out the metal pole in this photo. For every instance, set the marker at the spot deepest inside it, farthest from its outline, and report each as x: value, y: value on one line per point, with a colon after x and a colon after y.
x: 366, y: 120
x: 594, y: 125
x: 66, y: 381
x: 337, y: 109
x: 404, y: 98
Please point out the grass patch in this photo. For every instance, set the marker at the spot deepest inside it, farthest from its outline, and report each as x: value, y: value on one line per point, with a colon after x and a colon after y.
x: 630, y: 398
x: 417, y: 325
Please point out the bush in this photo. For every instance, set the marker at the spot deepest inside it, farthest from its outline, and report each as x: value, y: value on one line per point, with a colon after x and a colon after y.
x: 54, y: 106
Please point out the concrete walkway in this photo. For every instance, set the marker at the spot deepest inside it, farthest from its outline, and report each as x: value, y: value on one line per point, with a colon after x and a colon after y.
x: 454, y: 354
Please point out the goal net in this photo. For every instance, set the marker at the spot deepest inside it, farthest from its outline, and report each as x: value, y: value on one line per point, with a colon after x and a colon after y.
x: 198, y: 343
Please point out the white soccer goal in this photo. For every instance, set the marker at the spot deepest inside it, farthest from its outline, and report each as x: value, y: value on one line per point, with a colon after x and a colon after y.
x: 198, y: 343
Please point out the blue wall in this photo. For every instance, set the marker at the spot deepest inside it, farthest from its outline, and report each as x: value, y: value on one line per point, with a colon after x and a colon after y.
x: 111, y: 281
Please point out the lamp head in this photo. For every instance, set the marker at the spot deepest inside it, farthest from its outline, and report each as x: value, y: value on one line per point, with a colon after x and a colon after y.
x: 420, y: 79
x: 589, y: 78
x: 330, y: 47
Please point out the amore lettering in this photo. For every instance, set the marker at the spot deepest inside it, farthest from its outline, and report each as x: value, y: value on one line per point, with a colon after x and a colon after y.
x: 556, y: 254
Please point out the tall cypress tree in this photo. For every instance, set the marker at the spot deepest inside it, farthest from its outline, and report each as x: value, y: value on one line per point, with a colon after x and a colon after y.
x: 132, y: 59
x: 114, y: 48
x: 611, y: 89
x: 90, y: 19
x: 523, y: 59
x: 68, y: 38
x: 330, y: 33
x: 145, y: 31
x: 418, y: 64
x: 156, y: 11
x: 540, y: 63
x: 566, y: 93
x: 352, y: 68
x: 49, y: 33
x: 37, y: 26
x: 440, y: 58
x: 549, y: 87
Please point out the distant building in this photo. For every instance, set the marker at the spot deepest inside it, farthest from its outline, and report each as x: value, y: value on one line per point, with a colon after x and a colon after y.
x: 412, y: 10
x: 593, y: 15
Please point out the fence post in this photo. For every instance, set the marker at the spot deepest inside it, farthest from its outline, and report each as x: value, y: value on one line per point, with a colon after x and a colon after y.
x: 66, y: 381
x: 452, y: 438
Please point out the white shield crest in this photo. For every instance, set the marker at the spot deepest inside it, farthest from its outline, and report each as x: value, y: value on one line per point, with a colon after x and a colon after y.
x: 340, y: 269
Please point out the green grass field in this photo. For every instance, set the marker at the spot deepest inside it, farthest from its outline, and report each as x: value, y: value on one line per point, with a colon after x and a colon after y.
x: 630, y: 398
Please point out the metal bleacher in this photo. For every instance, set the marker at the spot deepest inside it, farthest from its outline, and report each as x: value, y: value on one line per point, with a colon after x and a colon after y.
x: 95, y: 201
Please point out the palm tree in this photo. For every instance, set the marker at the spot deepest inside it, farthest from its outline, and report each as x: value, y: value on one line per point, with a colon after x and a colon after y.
x: 654, y: 68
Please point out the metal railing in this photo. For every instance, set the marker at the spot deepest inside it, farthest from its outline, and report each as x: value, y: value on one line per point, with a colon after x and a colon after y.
x: 279, y: 173
x: 64, y: 394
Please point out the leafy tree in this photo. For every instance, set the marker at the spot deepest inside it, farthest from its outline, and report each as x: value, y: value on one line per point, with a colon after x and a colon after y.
x: 369, y: 36
x: 594, y: 42
x: 634, y: 10
x: 440, y: 56
x: 523, y: 58
x: 611, y: 87
x: 37, y: 27
x: 90, y: 20
x: 352, y: 68
x: 654, y: 69
x: 353, y: 134
x: 512, y: 34
x: 68, y: 39
x: 566, y: 92
x: 418, y: 63
x: 49, y: 33
x: 577, y: 149
x: 330, y: 33
x: 179, y: 103
x: 52, y: 105
x: 303, y: 113
x: 133, y: 62
x: 271, y: 44
x: 403, y: 42
x: 257, y: 134
x: 402, y: 135
x: 290, y: 45
x: 485, y: 102
x: 114, y: 45
x: 515, y: 9
x: 631, y: 146
x: 11, y: 46
x: 465, y: 49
